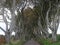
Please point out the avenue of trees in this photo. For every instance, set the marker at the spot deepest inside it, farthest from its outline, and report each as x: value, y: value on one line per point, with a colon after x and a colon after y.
x: 30, y: 18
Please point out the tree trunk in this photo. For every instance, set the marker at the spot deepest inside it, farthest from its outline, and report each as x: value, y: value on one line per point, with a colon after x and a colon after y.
x: 7, y: 32
x: 53, y: 36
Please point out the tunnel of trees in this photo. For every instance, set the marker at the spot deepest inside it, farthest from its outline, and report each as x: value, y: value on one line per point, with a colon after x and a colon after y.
x: 30, y: 18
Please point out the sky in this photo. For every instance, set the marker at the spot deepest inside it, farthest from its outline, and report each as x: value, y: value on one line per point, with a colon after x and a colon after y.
x: 58, y: 32
x: 4, y: 27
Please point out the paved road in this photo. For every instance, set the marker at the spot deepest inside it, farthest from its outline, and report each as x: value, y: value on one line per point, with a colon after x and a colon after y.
x: 31, y: 42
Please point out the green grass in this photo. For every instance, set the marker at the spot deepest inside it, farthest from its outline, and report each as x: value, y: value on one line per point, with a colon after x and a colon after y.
x: 48, y: 42
x: 58, y: 37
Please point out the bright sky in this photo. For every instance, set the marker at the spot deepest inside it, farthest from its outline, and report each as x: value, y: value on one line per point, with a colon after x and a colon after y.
x: 4, y: 27
x: 58, y: 32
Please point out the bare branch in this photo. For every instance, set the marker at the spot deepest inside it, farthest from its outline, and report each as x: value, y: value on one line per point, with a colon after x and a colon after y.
x: 2, y: 29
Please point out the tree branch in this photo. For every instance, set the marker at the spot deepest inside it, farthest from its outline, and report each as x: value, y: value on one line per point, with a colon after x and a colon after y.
x: 2, y: 29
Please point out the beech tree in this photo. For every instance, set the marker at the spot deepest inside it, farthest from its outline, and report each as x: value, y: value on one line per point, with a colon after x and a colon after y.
x: 30, y: 18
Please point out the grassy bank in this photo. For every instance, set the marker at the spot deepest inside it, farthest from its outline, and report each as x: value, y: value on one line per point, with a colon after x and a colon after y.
x: 39, y: 40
